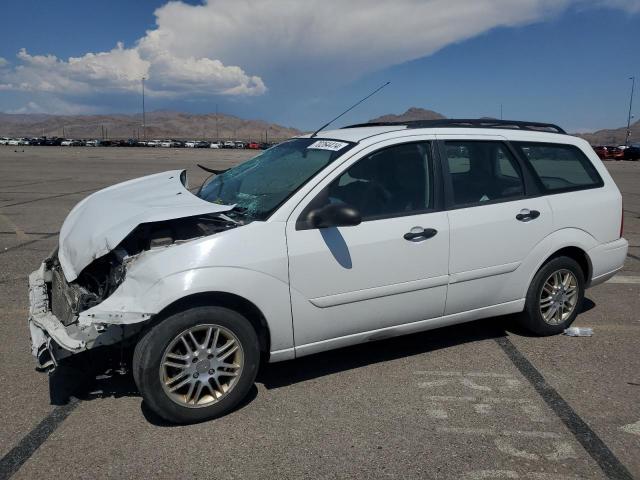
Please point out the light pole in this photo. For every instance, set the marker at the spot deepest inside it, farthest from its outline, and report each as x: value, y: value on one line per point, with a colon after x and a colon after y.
x: 217, y: 131
x: 633, y: 84
x: 144, y: 123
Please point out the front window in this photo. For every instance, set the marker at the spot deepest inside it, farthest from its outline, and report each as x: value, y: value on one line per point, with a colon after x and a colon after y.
x: 391, y: 182
x: 260, y: 185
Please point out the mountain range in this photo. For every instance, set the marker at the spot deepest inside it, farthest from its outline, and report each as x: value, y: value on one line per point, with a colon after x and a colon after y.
x: 159, y: 125
x: 413, y: 113
x: 614, y: 136
x: 166, y: 124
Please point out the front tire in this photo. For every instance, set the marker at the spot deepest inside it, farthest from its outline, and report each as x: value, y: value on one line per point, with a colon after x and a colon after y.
x: 554, y: 297
x: 197, y: 364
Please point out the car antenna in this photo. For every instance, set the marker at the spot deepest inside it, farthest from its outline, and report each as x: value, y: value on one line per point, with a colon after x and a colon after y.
x: 348, y: 110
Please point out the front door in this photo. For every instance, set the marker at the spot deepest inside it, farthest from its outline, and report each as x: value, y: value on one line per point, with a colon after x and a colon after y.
x: 389, y: 270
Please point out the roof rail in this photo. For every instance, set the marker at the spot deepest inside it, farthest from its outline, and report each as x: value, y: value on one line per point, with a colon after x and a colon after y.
x: 469, y: 123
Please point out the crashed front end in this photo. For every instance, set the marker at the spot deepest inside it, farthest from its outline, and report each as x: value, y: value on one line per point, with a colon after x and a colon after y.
x: 55, y: 310
x: 84, y: 295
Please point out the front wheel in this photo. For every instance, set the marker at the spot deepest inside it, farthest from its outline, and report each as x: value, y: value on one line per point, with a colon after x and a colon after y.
x: 196, y: 365
x: 554, y: 297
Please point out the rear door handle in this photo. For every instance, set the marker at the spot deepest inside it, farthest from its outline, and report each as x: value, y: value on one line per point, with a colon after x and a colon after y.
x: 418, y: 234
x: 527, y: 215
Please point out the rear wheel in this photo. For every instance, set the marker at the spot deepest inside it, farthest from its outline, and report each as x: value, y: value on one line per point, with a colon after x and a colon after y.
x: 554, y: 297
x: 197, y: 365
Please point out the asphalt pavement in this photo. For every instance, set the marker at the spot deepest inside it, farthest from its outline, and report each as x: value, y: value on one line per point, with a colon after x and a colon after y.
x: 476, y: 401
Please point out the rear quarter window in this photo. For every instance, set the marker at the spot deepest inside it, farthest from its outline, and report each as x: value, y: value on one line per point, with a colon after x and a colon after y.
x: 560, y: 167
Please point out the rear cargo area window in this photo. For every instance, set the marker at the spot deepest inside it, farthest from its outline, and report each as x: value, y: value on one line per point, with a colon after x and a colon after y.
x: 560, y: 167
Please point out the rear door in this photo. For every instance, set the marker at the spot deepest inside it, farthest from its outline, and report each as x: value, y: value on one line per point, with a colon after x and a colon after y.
x: 381, y: 273
x: 496, y: 219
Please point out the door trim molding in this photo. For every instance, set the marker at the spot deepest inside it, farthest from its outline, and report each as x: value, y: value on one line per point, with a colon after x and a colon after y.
x: 483, y: 272
x: 377, y: 292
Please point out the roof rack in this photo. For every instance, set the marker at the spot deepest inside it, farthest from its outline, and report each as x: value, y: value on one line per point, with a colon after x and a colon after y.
x: 469, y: 123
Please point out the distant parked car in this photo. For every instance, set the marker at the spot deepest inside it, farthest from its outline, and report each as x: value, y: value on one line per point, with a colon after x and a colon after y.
x: 215, y: 145
x: 190, y: 144
x: 615, y: 153
x: 4, y: 140
x: 253, y: 146
x: 53, y: 141
x: 229, y: 144
x: 154, y: 143
x: 14, y: 142
x: 608, y: 152
x: 92, y: 143
x: 70, y: 143
x: 631, y: 152
x: 239, y: 144
x: 171, y: 144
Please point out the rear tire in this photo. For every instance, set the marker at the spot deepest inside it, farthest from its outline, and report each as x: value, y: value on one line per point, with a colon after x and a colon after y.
x: 554, y: 298
x: 196, y: 365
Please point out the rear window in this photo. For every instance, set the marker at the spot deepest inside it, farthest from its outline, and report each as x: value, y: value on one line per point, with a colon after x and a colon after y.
x: 560, y: 167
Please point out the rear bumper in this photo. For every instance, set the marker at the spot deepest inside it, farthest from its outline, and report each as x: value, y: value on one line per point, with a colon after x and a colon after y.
x: 607, y: 260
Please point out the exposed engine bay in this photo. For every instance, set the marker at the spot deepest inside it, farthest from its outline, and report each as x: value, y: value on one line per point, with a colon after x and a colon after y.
x: 102, y: 277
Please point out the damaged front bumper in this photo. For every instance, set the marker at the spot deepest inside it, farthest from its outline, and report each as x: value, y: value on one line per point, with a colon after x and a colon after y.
x: 52, y: 341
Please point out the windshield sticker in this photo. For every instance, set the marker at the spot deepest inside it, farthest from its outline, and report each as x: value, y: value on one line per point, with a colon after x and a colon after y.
x: 328, y: 145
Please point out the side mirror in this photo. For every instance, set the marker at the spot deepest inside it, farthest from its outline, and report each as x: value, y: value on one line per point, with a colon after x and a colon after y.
x: 334, y: 216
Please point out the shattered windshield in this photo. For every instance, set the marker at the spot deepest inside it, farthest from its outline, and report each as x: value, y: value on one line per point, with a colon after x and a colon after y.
x: 258, y: 186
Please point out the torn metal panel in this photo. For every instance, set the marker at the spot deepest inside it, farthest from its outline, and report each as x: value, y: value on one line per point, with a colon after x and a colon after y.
x: 101, y: 221
x: 51, y: 340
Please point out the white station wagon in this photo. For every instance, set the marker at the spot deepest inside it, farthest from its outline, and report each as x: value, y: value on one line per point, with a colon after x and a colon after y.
x: 324, y: 241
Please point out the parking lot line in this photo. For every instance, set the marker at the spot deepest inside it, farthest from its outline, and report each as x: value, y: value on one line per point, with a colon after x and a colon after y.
x: 24, y: 244
x: 590, y: 441
x: 624, y: 279
x: 18, y: 455
x: 89, y: 190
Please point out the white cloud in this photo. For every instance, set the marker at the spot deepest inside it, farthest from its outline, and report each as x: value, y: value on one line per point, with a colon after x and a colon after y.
x: 208, y: 48
x: 334, y: 38
x: 121, y: 69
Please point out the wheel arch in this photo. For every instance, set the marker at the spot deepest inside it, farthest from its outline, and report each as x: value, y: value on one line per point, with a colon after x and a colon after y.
x: 577, y: 254
x: 231, y: 301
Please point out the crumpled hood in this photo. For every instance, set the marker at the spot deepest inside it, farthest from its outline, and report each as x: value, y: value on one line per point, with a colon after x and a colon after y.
x: 97, y: 224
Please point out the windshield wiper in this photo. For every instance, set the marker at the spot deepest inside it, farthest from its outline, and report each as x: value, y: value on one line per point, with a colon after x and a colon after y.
x: 211, y: 170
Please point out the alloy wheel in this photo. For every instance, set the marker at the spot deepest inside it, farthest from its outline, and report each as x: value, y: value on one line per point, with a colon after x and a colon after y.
x: 558, y: 297
x: 201, y: 365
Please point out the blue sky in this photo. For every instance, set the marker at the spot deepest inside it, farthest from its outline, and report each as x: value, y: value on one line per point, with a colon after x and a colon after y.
x: 566, y: 61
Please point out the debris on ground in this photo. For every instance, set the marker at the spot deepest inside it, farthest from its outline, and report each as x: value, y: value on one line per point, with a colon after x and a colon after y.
x: 578, y: 332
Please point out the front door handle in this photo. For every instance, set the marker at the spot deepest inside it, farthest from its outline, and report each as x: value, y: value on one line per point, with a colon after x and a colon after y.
x: 527, y: 215
x: 418, y: 234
